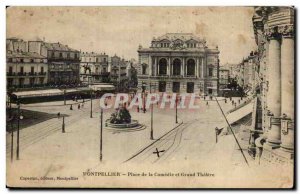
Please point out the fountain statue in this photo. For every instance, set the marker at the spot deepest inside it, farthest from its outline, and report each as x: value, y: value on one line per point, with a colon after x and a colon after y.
x: 121, y: 116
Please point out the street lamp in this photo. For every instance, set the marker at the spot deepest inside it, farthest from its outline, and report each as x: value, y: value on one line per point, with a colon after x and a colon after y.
x: 63, y: 125
x: 101, y: 131
x: 65, y: 95
x: 10, y: 120
x: 176, y: 120
x: 151, y: 132
x: 20, y: 117
x: 91, y: 115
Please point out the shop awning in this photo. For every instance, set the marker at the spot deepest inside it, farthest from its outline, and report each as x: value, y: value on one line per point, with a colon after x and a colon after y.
x: 237, y: 115
x: 37, y: 93
x: 102, y: 87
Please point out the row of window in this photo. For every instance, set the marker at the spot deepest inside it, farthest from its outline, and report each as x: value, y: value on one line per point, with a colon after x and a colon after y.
x: 190, y: 87
x: 10, y: 70
x: 177, y: 70
x: 96, y: 70
x: 21, y: 81
x: 22, y: 60
x: 91, y: 59
x: 61, y: 55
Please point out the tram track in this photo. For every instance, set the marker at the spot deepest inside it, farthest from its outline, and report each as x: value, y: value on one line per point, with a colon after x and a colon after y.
x: 37, y: 133
x: 169, y: 142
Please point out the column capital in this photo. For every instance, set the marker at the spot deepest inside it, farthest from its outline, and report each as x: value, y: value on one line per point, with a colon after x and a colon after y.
x: 287, y: 31
x: 272, y: 33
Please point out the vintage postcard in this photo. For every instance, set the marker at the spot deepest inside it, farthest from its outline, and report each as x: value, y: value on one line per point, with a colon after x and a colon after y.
x: 150, y: 97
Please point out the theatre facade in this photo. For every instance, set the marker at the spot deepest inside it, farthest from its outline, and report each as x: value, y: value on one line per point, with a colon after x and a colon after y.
x: 179, y: 63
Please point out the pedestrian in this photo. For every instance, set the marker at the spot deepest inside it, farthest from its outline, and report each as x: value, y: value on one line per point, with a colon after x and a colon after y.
x: 239, y: 101
x: 71, y: 107
x: 58, y: 115
x: 206, y: 103
x: 78, y: 106
x: 225, y: 100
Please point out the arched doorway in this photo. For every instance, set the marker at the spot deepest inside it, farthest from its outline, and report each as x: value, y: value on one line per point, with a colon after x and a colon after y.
x: 191, y: 67
x: 176, y: 67
x: 162, y: 66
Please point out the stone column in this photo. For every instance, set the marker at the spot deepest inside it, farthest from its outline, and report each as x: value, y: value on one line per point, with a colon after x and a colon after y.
x: 150, y: 65
x: 169, y: 67
x: 197, y: 68
x: 157, y: 65
x: 202, y: 66
x: 154, y: 67
x: 274, y: 89
x: 182, y: 67
x: 287, y: 89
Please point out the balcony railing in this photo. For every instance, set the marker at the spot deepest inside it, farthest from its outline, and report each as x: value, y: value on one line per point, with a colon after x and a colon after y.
x: 42, y: 73
x: 32, y: 73
x: 22, y: 73
x: 95, y: 74
x: 26, y: 73
x: 10, y: 73
x: 176, y: 76
x: 190, y: 76
x: 162, y: 75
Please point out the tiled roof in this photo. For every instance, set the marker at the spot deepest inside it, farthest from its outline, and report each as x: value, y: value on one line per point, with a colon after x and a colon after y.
x: 58, y: 47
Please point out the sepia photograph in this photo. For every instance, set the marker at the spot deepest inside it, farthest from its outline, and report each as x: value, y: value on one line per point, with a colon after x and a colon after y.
x: 150, y: 97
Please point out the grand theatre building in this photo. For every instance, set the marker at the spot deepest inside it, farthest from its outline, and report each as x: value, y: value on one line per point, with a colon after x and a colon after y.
x: 179, y: 62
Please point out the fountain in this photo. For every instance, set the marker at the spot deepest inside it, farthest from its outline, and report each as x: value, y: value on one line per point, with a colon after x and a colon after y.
x: 121, y: 119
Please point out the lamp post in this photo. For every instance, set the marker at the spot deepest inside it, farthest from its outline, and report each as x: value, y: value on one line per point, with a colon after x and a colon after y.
x: 63, y: 125
x: 101, y: 131
x: 91, y: 115
x: 12, y: 142
x: 151, y: 132
x: 65, y: 96
x: 20, y: 117
x: 176, y: 120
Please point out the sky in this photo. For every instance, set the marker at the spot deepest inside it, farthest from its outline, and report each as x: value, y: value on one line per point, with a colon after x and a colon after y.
x: 120, y: 30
